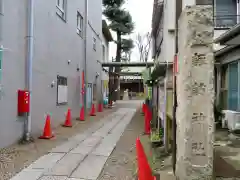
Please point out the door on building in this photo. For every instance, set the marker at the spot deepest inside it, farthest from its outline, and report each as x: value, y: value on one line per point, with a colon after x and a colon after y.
x: 89, y: 95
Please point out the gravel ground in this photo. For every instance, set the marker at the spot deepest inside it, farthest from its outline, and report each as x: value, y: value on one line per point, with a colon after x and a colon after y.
x: 224, y: 166
x: 17, y: 157
x: 121, y: 164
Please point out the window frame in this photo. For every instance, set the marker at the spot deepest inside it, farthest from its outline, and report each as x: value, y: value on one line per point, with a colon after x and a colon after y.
x: 79, y: 24
x: 237, y: 63
x: 233, y: 18
x: 62, y: 11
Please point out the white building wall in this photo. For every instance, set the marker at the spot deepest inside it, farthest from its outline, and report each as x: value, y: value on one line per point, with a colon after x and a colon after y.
x: 168, y: 49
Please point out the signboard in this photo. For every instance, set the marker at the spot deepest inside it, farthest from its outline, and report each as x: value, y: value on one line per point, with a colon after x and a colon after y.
x: 62, y: 94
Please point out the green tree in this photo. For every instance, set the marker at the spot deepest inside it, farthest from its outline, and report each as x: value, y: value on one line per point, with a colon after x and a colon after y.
x: 122, y: 24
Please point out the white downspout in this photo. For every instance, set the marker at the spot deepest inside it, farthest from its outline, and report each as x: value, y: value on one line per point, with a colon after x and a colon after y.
x: 165, y: 111
x: 85, y: 54
x: 238, y: 19
x: 1, y: 37
x: 1, y: 24
x: 29, y: 60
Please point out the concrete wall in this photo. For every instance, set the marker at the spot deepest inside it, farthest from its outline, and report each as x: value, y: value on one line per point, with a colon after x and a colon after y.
x: 55, y: 42
x: 13, y: 70
x: 195, y: 94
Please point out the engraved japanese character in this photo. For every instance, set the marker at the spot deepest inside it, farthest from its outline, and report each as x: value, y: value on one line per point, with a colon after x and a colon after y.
x: 198, y: 59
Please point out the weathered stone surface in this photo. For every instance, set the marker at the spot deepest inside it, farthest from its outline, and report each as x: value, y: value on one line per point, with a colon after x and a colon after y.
x: 29, y: 175
x: 65, y: 147
x: 53, y: 178
x: 91, y: 141
x: 46, y: 161
x: 82, y: 149
x: 90, y: 168
x: 195, y: 94
x: 66, y: 165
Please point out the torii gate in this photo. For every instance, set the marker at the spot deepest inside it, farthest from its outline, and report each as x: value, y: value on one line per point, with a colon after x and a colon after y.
x: 122, y: 64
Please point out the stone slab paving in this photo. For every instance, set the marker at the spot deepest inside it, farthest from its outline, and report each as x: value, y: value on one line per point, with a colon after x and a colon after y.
x: 66, y: 147
x: 103, y: 131
x: 109, y: 142
x: 33, y: 174
x: 90, y: 168
x: 53, y: 178
x: 83, y: 156
x: 66, y: 165
x: 106, y: 147
x: 51, y: 158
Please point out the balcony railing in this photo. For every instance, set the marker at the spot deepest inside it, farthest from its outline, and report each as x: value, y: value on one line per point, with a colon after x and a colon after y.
x: 226, y: 21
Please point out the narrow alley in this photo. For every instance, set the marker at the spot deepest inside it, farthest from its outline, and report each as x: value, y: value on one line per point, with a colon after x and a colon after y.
x: 83, y: 155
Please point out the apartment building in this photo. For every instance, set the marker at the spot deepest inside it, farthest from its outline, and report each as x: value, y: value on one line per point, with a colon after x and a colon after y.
x: 164, y: 43
x: 58, y: 61
x: 227, y: 58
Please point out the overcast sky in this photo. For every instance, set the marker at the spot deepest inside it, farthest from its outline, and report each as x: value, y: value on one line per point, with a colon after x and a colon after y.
x: 141, y: 11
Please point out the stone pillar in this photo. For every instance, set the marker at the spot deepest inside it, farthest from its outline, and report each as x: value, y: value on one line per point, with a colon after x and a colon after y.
x: 195, y: 94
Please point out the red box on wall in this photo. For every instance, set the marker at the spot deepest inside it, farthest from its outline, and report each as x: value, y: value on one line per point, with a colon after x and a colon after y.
x: 23, y: 102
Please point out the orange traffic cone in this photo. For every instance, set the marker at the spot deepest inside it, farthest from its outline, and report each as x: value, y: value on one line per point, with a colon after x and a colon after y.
x: 81, y: 117
x: 144, y: 170
x: 100, y: 107
x: 68, y: 121
x: 47, y: 133
x: 92, y: 112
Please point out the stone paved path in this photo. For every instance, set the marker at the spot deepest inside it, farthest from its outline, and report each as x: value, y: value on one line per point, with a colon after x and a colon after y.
x: 83, y: 156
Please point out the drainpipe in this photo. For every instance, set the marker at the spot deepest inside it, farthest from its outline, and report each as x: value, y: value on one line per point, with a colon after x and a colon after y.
x: 29, y: 60
x: 174, y: 121
x: 85, y: 55
x: 1, y: 24
x: 165, y: 112
x: 1, y: 39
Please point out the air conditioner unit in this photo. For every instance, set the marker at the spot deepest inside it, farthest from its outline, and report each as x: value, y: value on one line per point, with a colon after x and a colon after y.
x: 231, y: 120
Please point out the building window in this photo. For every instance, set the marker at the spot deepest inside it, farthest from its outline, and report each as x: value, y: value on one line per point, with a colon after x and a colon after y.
x: 94, y: 43
x: 79, y: 24
x: 103, y: 53
x: 233, y: 86
x: 62, y: 90
x: 226, y: 15
x: 224, y: 87
x: 61, y: 9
